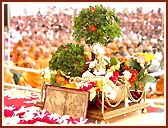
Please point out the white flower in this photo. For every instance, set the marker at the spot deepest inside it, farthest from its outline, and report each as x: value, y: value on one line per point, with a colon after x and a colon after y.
x: 22, y: 109
x: 107, y: 82
x: 9, y: 107
x: 127, y: 75
x: 92, y: 93
x: 63, y: 119
x: 83, y: 121
x: 87, y: 73
x: 13, y: 120
x: 98, y: 49
x: 142, y: 65
x: 64, y: 122
x: 110, y: 92
x: 145, y: 72
x: 28, y: 116
x: 54, y: 116
x: 109, y: 74
x: 42, y: 114
x: 33, y: 109
x: 92, y: 64
x: 79, y: 85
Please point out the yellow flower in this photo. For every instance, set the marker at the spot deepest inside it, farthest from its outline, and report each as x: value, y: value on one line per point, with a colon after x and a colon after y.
x: 99, y: 84
x: 114, y: 67
x: 47, y: 78
x: 148, y: 56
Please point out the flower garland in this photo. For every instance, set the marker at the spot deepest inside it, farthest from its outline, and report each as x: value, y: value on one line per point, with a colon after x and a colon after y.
x: 31, y: 115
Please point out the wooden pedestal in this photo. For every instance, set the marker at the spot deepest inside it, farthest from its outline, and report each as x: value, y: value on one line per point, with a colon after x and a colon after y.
x: 94, y: 113
x: 116, y: 111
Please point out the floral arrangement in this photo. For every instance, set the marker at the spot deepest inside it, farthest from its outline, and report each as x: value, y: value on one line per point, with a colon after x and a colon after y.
x: 68, y: 58
x: 120, y: 71
x: 96, y: 24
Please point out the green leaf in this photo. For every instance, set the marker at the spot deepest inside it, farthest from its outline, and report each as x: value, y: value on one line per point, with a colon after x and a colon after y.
x: 147, y: 66
x: 147, y: 78
x: 69, y: 58
x: 102, y: 19
x: 52, y: 79
x: 133, y: 64
x: 113, y: 61
x: 140, y: 74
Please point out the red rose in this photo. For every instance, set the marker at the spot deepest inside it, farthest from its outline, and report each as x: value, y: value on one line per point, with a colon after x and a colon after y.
x: 115, y: 74
x: 93, y: 28
x: 92, y: 9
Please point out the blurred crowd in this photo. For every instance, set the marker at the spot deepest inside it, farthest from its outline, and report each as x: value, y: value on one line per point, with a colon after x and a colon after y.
x: 36, y: 37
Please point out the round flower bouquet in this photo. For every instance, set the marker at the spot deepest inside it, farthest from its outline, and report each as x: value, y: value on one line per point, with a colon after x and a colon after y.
x: 122, y: 72
x: 68, y: 61
x: 96, y: 25
x: 132, y: 72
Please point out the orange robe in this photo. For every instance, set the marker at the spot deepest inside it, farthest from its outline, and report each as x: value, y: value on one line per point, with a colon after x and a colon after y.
x: 16, y: 58
x: 43, y: 62
x: 160, y: 84
x: 31, y: 52
x: 8, y: 77
x: 23, y: 63
x: 30, y: 78
x: 19, y: 44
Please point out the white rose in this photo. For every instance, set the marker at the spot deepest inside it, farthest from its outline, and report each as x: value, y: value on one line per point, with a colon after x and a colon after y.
x: 108, y: 75
x: 110, y: 93
x: 127, y: 74
x: 92, y: 94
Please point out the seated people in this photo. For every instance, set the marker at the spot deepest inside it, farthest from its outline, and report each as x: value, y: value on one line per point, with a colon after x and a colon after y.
x: 43, y: 61
x: 31, y: 78
x: 8, y: 76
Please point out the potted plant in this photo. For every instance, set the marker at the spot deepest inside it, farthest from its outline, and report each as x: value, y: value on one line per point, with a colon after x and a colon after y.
x: 96, y: 24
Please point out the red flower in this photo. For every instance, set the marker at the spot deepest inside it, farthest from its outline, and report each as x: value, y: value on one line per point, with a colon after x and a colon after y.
x: 92, y: 28
x: 21, y: 114
x: 8, y: 113
x: 92, y: 9
x: 134, y: 76
x: 113, y: 78
x: 131, y: 80
x: 115, y: 74
x: 27, y: 122
x: 98, y: 90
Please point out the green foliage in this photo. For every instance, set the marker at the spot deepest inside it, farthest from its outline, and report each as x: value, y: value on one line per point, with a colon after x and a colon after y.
x: 147, y: 78
x: 133, y: 64
x: 69, y: 59
x: 52, y: 78
x: 113, y: 61
x: 142, y: 76
x: 105, y: 21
